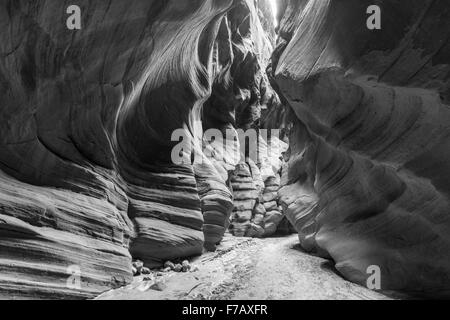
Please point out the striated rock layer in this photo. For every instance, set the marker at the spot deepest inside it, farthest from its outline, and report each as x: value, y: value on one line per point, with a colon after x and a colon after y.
x: 86, y: 123
x: 367, y: 181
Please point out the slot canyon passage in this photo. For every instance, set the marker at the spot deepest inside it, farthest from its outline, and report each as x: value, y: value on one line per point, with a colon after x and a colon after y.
x: 359, y: 175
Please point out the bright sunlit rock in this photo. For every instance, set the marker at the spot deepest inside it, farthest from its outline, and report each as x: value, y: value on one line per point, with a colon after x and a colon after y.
x: 274, y: 6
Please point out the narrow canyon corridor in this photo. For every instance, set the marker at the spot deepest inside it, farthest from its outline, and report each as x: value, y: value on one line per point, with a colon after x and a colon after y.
x: 250, y: 269
x: 225, y: 149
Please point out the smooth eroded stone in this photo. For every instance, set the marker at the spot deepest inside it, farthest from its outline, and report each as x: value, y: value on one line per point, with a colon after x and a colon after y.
x: 158, y: 241
x: 272, y: 181
x: 245, y: 194
x: 239, y: 229
x: 270, y: 206
x: 254, y: 231
x: 242, y: 216
x: 366, y: 179
x: 244, y: 205
x: 89, y: 169
x: 258, y: 219
x: 259, y: 209
x: 269, y: 196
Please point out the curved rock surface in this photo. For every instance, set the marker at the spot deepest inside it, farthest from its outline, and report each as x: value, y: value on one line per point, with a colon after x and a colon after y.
x: 91, y: 119
x: 86, y: 124
x: 367, y: 178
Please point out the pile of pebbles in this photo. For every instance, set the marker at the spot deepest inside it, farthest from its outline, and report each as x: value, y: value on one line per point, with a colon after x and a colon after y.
x: 184, y: 266
x: 139, y: 269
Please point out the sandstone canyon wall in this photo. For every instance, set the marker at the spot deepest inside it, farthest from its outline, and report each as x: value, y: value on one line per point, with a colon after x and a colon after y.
x: 367, y: 180
x: 86, y: 121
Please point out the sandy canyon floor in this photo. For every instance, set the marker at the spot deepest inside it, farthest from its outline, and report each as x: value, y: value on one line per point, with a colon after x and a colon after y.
x: 242, y: 268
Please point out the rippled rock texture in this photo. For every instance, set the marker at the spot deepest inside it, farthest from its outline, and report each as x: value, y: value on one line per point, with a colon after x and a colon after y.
x: 86, y: 122
x: 257, y: 212
x: 367, y: 181
x: 246, y: 194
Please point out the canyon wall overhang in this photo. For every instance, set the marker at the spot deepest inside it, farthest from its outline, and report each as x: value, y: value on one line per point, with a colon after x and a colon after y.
x: 367, y: 181
x: 86, y: 123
